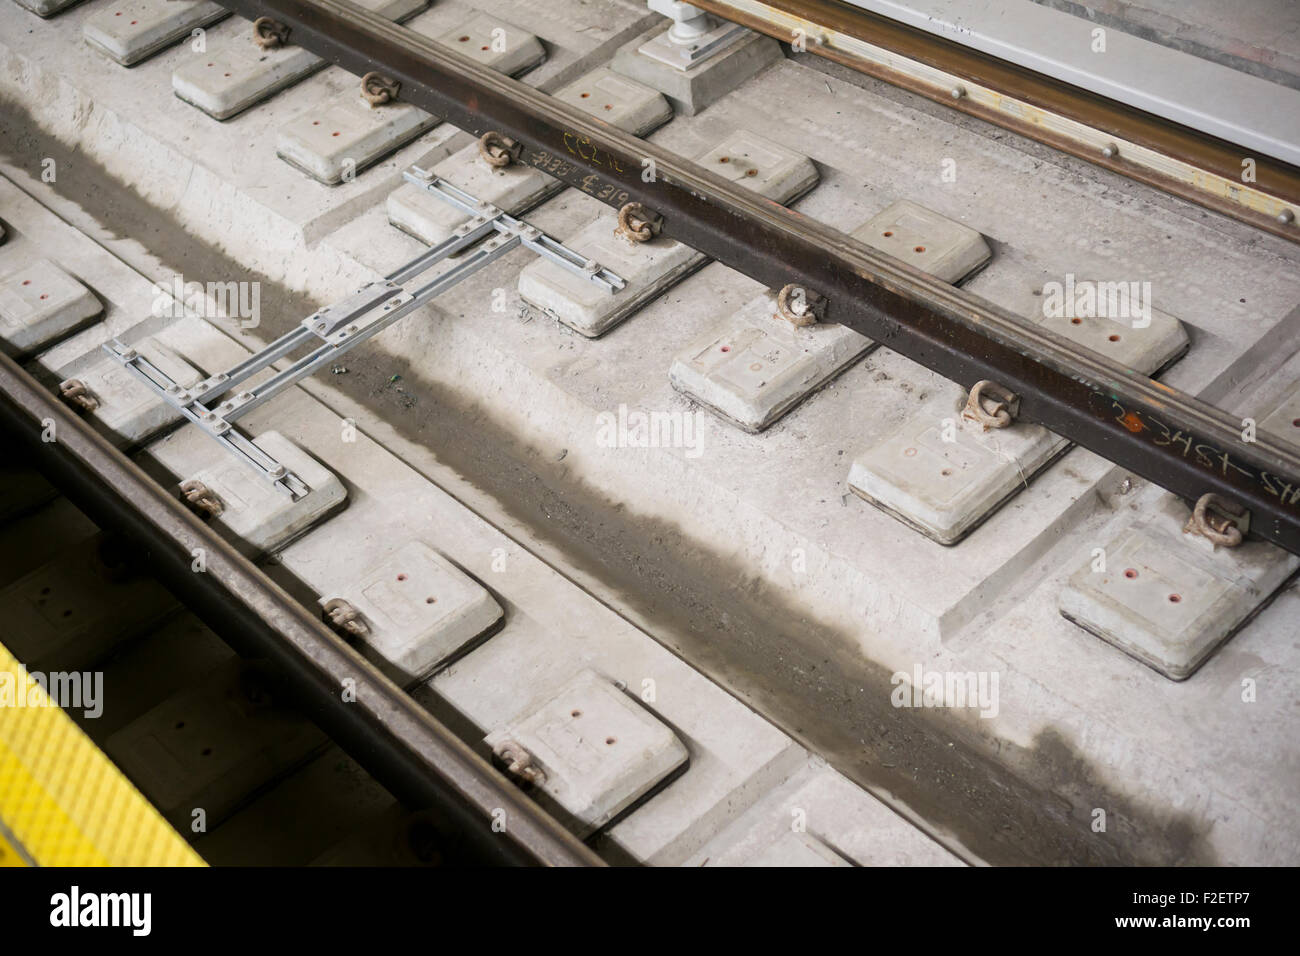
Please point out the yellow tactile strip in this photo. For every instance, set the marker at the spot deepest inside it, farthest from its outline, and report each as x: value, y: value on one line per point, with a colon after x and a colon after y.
x: 62, y: 802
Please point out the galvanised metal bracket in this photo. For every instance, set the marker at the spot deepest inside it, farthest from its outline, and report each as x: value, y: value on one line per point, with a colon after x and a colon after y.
x: 340, y: 327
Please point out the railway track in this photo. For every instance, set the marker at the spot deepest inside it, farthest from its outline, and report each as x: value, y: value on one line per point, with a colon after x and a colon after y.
x: 737, y: 532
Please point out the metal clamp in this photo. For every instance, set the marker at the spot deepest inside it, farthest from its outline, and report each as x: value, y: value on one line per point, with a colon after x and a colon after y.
x: 518, y: 762
x: 379, y: 89
x: 203, y: 501
x: 996, y: 410
x: 1223, y: 526
x: 344, y: 618
x: 73, y: 391
x: 636, y: 223
x: 269, y: 34
x: 499, y: 151
x: 799, y: 306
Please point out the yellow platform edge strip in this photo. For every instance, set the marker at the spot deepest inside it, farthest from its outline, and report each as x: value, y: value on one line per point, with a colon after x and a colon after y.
x: 62, y: 801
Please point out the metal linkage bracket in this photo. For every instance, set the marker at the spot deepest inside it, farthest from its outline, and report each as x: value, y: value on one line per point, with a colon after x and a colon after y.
x: 528, y: 235
x: 217, y: 402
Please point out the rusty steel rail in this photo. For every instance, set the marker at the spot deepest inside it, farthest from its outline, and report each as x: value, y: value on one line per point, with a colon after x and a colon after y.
x: 1160, y: 433
x: 1151, y: 149
x: 403, y: 746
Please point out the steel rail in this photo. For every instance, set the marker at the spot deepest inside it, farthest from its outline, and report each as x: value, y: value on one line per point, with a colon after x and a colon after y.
x: 1142, y: 146
x: 404, y: 747
x: 1160, y: 433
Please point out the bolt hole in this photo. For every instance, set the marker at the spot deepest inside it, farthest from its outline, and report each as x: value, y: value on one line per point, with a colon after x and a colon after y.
x: 27, y: 282
x: 45, y: 590
x: 45, y: 295
x: 68, y: 613
x: 887, y: 233
x: 585, y: 95
x: 431, y: 600
x: 1175, y: 598
x: 1076, y: 321
x: 1130, y: 574
x: 484, y: 49
x: 752, y: 172
x: 609, y: 106
x: 724, y: 159
x: 180, y: 724
x: 335, y: 133
x: 946, y: 472
x: 207, y: 751
x: 463, y: 39
x: 575, y: 713
x: 918, y: 248
x: 315, y: 122
x: 610, y: 740
x: 1113, y: 338
x: 725, y: 348
x: 401, y: 577
x: 1295, y: 423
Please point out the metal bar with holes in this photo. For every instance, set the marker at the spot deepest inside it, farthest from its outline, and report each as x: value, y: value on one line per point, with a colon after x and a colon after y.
x: 1158, y: 432
x: 340, y: 327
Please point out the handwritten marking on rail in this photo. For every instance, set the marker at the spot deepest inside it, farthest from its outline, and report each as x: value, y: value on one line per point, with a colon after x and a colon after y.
x: 605, y: 192
x: 1203, y: 454
x: 591, y: 184
x: 584, y: 148
x: 548, y: 163
x: 1133, y: 422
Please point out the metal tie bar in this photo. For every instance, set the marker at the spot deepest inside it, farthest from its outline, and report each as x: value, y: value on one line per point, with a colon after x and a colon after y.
x: 342, y: 326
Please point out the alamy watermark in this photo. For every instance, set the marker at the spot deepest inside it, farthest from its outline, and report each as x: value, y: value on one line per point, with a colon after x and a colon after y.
x: 631, y: 428
x: 1086, y: 299
x: 133, y: 911
x: 70, y: 690
x: 959, y: 689
x: 210, y: 300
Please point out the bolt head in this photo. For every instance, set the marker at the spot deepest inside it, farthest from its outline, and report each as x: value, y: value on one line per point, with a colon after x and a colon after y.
x: 1286, y: 217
